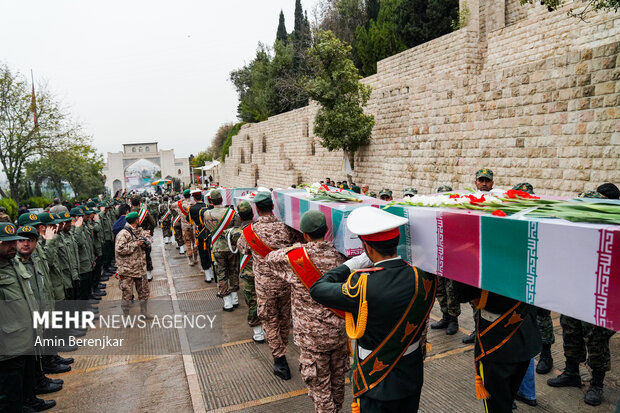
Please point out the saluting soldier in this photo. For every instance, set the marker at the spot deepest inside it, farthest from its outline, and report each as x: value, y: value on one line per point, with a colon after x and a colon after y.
x: 319, y: 331
x: 225, y: 263
x: 387, y: 309
x: 273, y: 294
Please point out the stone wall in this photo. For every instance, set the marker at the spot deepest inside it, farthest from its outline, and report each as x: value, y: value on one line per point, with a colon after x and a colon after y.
x: 533, y: 95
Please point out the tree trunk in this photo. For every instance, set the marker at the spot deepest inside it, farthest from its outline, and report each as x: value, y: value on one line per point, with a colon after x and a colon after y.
x: 14, y: 188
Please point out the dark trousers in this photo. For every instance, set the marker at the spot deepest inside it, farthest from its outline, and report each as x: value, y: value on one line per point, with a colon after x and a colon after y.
x: 204, y: 252
x: 409, y: 405
x: 96, y: 274
x: 149, y: 261
x: 83, y: 290
x: 502, y: 381
x: 16, y: 383
x: 108, y: 254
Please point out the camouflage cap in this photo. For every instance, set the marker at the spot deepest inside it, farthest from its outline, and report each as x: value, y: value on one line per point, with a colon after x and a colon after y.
x: 409, y: 191
x: 385, y: 191
x: 28, y: 218
x: 484, y: 173
x: 444, y: 188
x: 262, y: 197
x: 312, y: 221
x: 48, y: 218
x: 7, y: 232
x: 525, y: 187
x: 76, y: 212
x: 372, y: 194
x: 27, y: 231
x: 131, y: 217
x: 215, y: 195
x: 590, y: 194
x: 244, y: 206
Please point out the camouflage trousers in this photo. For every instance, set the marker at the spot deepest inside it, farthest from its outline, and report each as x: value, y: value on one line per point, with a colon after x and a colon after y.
x: 275, y: 315
x: 545, y: 326
x: 581, y: 339
x: 166, y: 228
x: 226, y: 266
x: 126, y: 285
x: 249, y: 294
x: 178, y: 235
x: 324, y: 374
x: 190, y: 243
x: 446, y: 298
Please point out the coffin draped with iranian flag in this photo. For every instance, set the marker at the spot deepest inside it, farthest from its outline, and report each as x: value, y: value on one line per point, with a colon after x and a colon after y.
x: 571, y: 268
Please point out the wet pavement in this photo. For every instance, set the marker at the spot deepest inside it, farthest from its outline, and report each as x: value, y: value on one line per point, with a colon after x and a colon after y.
x: 223, y: 370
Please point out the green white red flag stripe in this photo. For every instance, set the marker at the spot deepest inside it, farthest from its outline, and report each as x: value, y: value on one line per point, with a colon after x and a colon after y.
x: 244, y: 261
x: 141, y: 215
x: 229, y: 215
x: 166, y: 215
x: 176, y: 220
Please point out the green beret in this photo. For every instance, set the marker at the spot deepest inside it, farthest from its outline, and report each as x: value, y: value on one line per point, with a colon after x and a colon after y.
x: 131, y: 217
x: 26, y: 231
x: 262, y: 197
x: 215, y: 195
x: 186, y: 193
x: 29, y: 219
x: 410, y: 191
x: 356, y: 189
x: 525, y: 187
x: 484, y: 173
x: 244, y: 206
x: 312, y: 221
x: 76, y: 212
x: 444, y: 188
x: 591, y: 194
x: 47, y: 218
x: 7, y: 232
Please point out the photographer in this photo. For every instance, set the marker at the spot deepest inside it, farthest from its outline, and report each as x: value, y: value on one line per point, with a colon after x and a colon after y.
x: 131, y: 245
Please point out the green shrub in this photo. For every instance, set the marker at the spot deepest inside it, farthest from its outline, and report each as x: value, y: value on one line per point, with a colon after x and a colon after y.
x: 10, y: 206
x: 232, y: 132
x: 37, y: 202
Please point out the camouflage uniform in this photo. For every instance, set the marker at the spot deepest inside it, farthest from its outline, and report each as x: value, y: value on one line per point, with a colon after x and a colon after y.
x: 445, y: 296
x: 188, y: 233
x: 226, y: 263
x: 581, y: 339
x: 177, y: 229
x: 318, y: 331
x: 247, y: 275
x: 545, y: 325
x: 148, y: 225
x: 166, y: 224
x: 131, y: 263
x: 153, y: 207
x: 273, y: 295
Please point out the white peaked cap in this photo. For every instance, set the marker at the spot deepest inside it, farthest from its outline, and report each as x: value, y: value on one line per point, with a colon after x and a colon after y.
x: 369, y: 220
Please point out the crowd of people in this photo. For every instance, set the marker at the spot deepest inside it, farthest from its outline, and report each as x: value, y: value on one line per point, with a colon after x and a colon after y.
x: 62, y: 258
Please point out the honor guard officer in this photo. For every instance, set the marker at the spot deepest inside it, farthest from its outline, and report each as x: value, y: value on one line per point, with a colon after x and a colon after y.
x: 273, y: 294
x: 202, y: 234
x: 387, y: 309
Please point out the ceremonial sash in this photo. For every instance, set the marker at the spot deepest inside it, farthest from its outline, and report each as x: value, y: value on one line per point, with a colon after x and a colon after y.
x: 257, y: 245
x: 176, y: 220
x: 141, y: 215
x: 166, y: 215
x: 180, y: 204
x: 227, y: 218
x: 374, y: 368
x: 244, y: 261
x: 307, y: 272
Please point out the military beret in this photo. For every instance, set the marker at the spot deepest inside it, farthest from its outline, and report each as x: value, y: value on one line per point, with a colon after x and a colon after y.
x: 262, y: 196
x: 76, y: 212
x: 131, y: 217
x: 410, y: 191
x: 590, y: 194
x: 186, y: 192
x: 26, y: 231
x: 356, y: 189
x: 215, y: 195
x: 525, y: 187
x: 244, y: 206
x: 444, y: 188
x: 48, y: 218
x: 484, y: 173
x: 312, y: 221
x: 28, y: 218
x: 385, y: 191
x: 7, y: 232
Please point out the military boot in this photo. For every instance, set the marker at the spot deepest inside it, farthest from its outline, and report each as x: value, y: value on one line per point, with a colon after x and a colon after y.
x: 45, y: 385
x: 52, y: 367
x: 594, y: 395
x: 144, y: 310
x: 569, y: 378
x: 190, y: 260
x: 441, y: 324
x: 39, y: 405
x: 281, y: 369
x: 453, y: 326
x: 545, y: 362
x: 228, y: 305
x: 470, y: 338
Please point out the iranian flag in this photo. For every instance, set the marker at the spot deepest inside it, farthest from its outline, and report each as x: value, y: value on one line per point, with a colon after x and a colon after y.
x: 141, y: 216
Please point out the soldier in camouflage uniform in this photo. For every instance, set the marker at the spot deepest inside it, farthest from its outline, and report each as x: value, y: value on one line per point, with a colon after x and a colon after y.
x: 131, y: 244
x: 148, y: 225
x: 584, y: 342
x: 318, y: 331
x: 166, y: 223
x: 272, y: 293
x: 177, y: 225
x: 246, y: 273
x: 187, y: 228
x: 153, y: 207
x: 226, y: 264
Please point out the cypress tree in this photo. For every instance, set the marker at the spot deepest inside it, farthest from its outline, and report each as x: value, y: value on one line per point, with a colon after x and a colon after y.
x: 282, y: 35
x: 299, y: 17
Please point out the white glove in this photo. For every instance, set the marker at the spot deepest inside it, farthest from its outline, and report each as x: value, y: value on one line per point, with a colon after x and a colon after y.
x: 361, y: 261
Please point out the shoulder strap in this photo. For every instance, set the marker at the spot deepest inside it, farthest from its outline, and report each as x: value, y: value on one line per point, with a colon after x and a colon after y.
x: 257, y: 245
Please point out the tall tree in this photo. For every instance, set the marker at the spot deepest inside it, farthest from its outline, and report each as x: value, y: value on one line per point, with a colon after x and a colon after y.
x: 282, y: 34
x: 372, y: 9
x: 418, y: 21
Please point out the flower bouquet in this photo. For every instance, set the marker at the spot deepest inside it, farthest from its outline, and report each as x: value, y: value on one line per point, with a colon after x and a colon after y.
x: 324, y: 193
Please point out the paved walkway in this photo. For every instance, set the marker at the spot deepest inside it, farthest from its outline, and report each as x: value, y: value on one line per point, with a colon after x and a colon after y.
x: 225, y: 371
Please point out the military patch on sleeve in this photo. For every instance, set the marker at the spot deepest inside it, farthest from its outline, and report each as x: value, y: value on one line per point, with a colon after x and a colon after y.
x: 345, y: 291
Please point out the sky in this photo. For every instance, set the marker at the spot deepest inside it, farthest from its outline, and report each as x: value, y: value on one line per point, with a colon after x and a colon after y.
x: 141, y: 71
